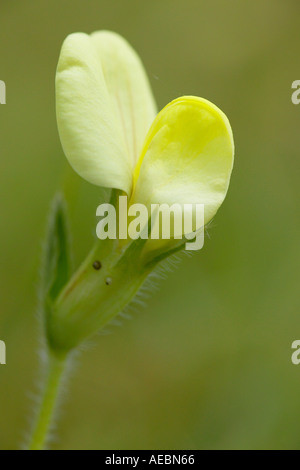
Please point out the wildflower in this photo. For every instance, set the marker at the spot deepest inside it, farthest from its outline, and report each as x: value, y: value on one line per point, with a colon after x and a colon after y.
x: 113, y: 138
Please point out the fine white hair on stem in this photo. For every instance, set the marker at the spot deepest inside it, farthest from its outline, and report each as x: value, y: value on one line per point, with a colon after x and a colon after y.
x: 151, y: 286
x: 36, y: 397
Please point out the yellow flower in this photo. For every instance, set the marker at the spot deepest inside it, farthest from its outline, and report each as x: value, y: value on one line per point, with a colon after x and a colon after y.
x: 113, y: 138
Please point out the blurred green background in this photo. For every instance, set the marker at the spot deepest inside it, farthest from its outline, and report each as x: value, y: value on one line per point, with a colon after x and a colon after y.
x: 207, y: 364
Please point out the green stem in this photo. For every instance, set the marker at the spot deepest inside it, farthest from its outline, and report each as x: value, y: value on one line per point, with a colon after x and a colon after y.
x: 43, y: 424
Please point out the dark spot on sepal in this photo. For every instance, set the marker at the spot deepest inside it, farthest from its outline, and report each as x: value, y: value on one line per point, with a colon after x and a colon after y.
x: 97, y: 265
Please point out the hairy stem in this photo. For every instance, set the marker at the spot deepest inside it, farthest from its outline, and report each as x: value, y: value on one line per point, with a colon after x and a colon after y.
x: 56, y: 368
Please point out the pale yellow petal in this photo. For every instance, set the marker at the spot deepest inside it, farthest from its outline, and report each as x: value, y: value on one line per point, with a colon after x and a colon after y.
x: 129, y: 88
x: 104, y: 107
x: 187, y: 157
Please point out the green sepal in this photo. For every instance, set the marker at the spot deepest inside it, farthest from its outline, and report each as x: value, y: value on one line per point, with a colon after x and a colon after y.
x: 56, y: 265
